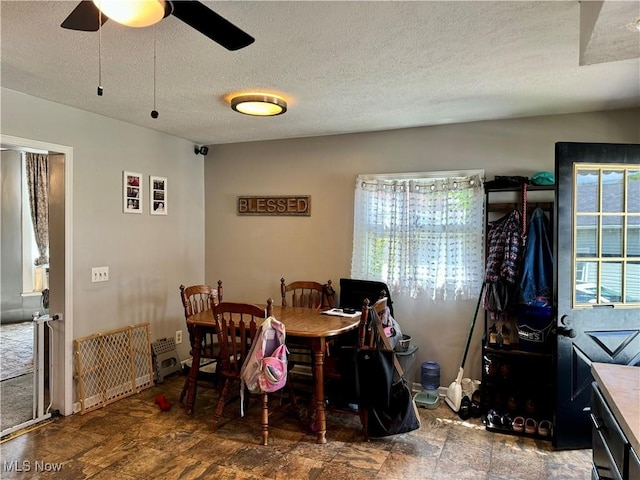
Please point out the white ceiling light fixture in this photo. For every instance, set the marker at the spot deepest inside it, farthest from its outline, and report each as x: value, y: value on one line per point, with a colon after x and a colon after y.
x: 259, y: 104
x: 134, y: 13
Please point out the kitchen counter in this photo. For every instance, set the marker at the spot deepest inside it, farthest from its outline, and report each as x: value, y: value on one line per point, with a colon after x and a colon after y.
x: 620, y: 386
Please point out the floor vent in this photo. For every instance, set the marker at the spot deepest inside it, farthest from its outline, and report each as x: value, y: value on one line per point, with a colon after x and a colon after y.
x: 112, y: 365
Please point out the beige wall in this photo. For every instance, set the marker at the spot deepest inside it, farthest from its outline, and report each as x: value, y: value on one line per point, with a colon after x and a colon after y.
x: 202, y: 239
x: 250, y: 254
x: 148, y: 256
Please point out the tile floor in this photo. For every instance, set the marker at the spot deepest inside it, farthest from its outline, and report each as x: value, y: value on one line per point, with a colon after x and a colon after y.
x: 133, y: 439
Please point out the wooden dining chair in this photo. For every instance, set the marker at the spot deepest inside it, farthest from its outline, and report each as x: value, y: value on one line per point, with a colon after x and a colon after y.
x: 307, y: 294
x: 236, y: 327
x: 195, y: 299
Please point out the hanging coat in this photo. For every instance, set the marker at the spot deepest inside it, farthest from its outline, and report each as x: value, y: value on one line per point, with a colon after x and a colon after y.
x: 502, y: 271
x: 536, y: 283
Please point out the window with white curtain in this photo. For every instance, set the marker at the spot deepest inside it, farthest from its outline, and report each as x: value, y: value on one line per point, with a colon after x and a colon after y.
x: 421, y: 233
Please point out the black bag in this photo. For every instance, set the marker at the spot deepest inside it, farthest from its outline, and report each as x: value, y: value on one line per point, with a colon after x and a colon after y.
x: 401, y: 416
x: 390, y: 406
x: 375, y: 377
x: 366, y: 375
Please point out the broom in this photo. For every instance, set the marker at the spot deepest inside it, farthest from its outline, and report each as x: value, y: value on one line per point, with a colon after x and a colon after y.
x: 454, y: 392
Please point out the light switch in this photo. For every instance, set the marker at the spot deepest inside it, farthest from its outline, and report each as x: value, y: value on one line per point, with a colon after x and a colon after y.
x: 99, y: 274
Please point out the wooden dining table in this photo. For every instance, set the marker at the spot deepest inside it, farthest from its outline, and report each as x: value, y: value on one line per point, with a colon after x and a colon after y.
x: 306, y: 325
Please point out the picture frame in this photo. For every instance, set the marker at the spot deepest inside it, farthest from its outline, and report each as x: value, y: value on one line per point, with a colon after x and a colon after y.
x: 132, y: 191
x: 158, y: 195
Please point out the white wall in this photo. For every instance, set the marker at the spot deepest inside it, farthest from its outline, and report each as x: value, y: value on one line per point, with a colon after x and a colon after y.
x: 250, y: 254
x: 148, y: 256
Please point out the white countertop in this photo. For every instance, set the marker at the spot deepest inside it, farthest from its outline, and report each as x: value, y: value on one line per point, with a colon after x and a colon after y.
x: 620, y: 386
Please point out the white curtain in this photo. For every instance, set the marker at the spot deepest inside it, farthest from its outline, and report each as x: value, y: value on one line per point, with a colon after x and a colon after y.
x: 421, y: 234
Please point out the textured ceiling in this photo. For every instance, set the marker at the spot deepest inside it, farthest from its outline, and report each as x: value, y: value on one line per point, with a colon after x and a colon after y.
x: 342, y: 66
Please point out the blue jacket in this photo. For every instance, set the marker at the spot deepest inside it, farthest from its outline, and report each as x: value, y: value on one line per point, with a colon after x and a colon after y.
x: 536, y: 283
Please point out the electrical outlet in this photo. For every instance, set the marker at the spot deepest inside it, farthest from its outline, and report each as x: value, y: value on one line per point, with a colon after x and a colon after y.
x: 178, y: 337
x: 100, y: 274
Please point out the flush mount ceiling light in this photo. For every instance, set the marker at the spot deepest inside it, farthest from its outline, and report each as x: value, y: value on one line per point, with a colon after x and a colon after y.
x: 134, y: 13
x: 259, y: 104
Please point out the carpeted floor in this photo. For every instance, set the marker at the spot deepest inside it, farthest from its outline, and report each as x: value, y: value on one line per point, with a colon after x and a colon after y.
x: 16, y: 401
x: 16, y: 349
x: 16, y: 374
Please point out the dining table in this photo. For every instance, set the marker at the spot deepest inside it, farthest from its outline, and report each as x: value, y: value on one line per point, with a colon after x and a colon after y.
x: 309, y: 326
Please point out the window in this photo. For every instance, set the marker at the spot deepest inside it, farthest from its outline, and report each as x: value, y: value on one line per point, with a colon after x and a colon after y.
x: 607, y: 235
x: 420, y: 233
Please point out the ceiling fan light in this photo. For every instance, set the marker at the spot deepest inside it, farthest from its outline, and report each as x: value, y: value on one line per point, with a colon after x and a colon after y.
x: 133, y: 13
x: 260, y: 105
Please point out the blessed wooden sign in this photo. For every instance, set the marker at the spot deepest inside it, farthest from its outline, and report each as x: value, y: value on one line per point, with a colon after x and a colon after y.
x: 299, y: 205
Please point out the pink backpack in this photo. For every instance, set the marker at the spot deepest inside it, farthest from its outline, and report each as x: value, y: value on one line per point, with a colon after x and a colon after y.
x: 265, y: 369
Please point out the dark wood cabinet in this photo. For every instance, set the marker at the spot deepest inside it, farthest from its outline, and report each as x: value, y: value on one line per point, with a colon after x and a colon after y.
x: 613, y: 457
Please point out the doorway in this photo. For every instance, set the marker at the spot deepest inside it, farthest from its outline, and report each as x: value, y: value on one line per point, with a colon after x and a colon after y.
x: 61, y: 274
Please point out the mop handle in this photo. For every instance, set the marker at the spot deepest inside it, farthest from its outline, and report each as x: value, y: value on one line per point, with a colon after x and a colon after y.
x: 473, y: 324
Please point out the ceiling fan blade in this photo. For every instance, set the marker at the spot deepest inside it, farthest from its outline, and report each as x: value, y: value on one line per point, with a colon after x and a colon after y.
x: 85, y: 17
x: 209, y: 23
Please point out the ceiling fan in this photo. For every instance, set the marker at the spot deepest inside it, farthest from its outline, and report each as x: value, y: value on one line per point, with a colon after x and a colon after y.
x: 86, y: 17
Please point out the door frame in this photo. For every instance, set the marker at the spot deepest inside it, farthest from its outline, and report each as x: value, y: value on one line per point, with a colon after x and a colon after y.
x: 62, y: 351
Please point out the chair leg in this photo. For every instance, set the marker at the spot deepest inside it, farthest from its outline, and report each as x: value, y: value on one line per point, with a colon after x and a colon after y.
x: 221, y: 402
x: 185, y: 388
x: 304, y: 420
x: 292, y: 394
x: 265, y: 418
x: 311, y: 412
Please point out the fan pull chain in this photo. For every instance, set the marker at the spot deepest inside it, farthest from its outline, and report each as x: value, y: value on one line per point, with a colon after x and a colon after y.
x: 99, y: 52
x: 154, y: 112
